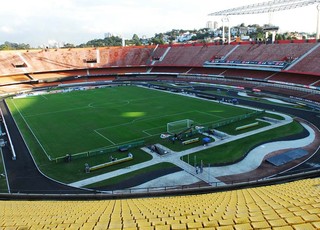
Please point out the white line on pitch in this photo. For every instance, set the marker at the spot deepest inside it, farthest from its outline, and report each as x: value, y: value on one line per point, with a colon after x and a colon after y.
x: 144, y: 131
x: 104, y: 137
x: 23, y: 118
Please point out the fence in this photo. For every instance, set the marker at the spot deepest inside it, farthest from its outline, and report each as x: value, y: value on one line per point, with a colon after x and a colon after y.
x: 235, y: 119
x: 100, y: 151
x: 222, y: 123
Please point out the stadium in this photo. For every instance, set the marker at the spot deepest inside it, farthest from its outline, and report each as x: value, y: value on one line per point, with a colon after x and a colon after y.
x: 175, y: 136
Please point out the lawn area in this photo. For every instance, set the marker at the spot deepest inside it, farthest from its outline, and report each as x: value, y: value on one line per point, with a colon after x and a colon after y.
x: 233, y: 151
x: 54, y: 125
x: 128, y: 176
x: 75, y: 170
x: 80, y: 121
x: 231, y: 129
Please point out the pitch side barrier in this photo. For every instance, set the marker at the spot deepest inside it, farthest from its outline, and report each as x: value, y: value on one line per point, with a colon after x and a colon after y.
x: 97, y: 152
x: 14, y: 156
x: 163, y: 192
x: 235, y: 119
x: 223, y: 123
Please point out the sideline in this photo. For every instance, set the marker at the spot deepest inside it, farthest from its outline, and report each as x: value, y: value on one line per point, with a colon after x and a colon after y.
x: 23, y: 118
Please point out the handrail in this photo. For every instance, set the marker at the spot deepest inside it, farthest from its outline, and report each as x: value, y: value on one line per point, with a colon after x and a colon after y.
x: 14, y: 156
x: 160, y: 191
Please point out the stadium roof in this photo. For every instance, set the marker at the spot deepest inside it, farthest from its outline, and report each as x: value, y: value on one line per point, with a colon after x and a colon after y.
x: 266, y: 7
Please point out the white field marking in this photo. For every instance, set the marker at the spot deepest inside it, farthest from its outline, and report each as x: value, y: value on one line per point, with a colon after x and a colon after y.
x: 144, y: 131
x: 44, y: 97
x: 31, y: 130
x: 104, y: 137
x: 162, y: 126
x: 126, y: 142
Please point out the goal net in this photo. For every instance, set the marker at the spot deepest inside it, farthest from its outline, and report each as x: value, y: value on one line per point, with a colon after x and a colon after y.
x: 179, y: 126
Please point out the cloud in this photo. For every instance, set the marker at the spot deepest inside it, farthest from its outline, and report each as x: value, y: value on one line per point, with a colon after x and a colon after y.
x: 77, y: 21
x: 6, y: 29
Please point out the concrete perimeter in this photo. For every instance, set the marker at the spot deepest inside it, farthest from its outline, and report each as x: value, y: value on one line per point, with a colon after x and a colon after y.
x: 189, y: 175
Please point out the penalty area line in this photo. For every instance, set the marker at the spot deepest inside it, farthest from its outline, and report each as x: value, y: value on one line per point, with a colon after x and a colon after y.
x: 144, y: 131
x: 104, y: 137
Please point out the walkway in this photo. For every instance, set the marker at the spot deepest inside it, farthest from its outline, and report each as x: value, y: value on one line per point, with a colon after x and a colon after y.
x: 252, y: 161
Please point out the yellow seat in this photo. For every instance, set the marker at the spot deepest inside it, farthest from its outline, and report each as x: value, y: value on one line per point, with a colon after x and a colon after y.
x: 74, y: 226
x: 178, y: 226
x: 10, y: 228
x: 36, y: 226
x: 50, y: 226
x: 165, y: 219
x: 283, y: 228
x: 241, y: 220
x: 294, y: 220
x: 129, y: 225
x: 144, y: 223
x: 172, y: 222
x: 157, y: 222
x: 62, y: 226
x: 226, y: 222
x: 212, y: 223
x: 316, y: 224
x: 162, y: 227
x: 201, y: 219
x: 301, y: 213
x: 260, y: 224
x: 245, y: 226
x: 311, y: 218
x: 256, y: 218
x: 194, y: 225
x: 286, y: 215
x: 230, y: 227
x: 180, y: 218
x: 306, y: 226
x: 277, y: 223
x: 146, y: 228
x: 313, y: 210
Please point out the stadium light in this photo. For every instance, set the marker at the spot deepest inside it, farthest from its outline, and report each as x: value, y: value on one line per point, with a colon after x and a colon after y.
x: 266, y: 7
x: 270, y: 7
x: 318, y: 22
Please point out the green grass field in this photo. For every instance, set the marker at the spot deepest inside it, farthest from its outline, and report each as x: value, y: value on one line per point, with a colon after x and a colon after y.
x: 80, y: 121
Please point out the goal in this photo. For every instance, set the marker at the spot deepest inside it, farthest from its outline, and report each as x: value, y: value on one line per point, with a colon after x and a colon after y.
x: 179, y: 126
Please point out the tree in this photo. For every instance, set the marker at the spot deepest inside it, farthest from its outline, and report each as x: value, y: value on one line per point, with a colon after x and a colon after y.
x: 109, y: 41
x: 14, y: 46
x: 68, y: 45
x: 157, y: 40
x: 136, y: 40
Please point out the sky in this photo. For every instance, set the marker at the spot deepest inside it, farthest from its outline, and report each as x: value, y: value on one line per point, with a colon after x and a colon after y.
x: 45, y: 22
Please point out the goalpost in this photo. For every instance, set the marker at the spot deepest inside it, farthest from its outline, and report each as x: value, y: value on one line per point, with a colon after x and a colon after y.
x: 179, y: 126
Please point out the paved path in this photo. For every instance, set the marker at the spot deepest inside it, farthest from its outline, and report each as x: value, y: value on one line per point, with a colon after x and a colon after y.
x: 254, y: 158
x: 250, y: 162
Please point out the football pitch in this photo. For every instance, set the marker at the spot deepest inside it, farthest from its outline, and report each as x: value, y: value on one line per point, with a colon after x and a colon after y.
x: 80, y: 121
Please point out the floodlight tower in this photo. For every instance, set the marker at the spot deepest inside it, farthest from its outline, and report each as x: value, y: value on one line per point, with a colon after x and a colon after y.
x: 318, y: 22
x: 269, y: 7
x: 226, y: 19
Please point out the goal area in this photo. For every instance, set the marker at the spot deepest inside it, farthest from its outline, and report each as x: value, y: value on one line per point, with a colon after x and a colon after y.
x: 179, y: 126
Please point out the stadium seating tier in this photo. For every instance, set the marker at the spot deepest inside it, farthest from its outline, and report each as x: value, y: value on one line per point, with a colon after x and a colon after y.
x: 294, y: 205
